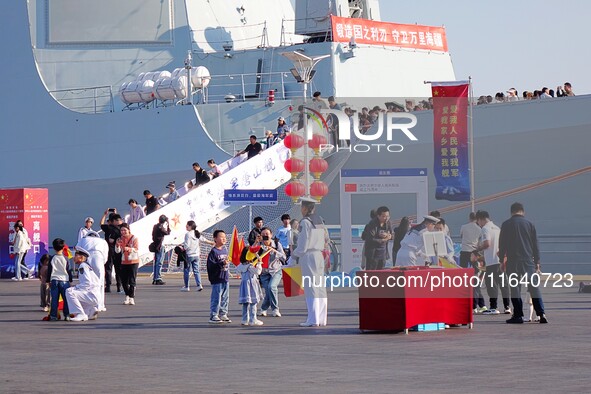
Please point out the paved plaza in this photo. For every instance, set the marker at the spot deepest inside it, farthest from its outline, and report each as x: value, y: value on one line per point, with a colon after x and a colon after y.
x: 164, y: 344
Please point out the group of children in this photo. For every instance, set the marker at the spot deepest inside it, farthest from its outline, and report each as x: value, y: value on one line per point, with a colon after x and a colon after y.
x: 81, y: 302
x: 250, y: 292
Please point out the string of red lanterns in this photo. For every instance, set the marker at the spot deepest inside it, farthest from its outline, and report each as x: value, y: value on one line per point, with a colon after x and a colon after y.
x: 317, y: 166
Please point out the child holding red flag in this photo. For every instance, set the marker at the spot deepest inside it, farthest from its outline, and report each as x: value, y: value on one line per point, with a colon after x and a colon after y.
x: 250, y: 291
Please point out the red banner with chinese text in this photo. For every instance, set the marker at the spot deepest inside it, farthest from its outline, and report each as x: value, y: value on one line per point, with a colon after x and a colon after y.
x: 450, y: 140
x: 365, y: 31
x: 31, y: 206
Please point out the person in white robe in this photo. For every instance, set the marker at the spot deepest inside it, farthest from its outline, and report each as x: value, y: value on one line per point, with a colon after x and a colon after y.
x: 311, y: 243
x: 98, y: 251
x: 83, y: 299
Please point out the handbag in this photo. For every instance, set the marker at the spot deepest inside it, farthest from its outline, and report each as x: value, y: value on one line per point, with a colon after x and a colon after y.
x: 133, y: 255
x: 152, y: 247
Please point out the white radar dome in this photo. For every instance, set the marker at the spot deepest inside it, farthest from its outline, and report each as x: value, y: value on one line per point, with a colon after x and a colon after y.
x: 200, y: 77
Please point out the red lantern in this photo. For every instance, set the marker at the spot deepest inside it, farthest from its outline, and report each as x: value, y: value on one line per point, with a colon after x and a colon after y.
x: 316, y: 142
x: 318, y: 190
x: 294, y: 142
x: 295, y: 190
x: 294, y: 166
x: 317, y: 167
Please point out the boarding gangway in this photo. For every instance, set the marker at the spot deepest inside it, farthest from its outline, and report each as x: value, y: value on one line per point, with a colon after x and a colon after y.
x: 205, y: 204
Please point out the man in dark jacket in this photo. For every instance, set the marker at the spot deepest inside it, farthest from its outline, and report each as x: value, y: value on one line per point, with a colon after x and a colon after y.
x: 151, y: 202
x: 160, y: 230
x: 255, y: 234
x: 112, y: 234
x: 376, y: 235
x: 253, y: 149
x: 518, y: 243
x: 201, y: 176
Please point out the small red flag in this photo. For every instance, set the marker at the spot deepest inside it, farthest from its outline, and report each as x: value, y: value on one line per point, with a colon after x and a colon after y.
x: 236, y: 247
x: 67, y: 253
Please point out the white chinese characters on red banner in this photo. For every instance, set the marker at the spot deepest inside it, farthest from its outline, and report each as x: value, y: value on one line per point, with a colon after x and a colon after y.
x: 30, y: 206
x: 365, y: 31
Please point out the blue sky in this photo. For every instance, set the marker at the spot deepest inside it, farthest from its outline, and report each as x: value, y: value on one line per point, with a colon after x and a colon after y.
x: 524, y: 44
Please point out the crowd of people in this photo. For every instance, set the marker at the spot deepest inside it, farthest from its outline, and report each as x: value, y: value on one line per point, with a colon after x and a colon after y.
x: 267, y: 253
x: 261, y: 265
x: 512, y: 94
x: 368, y: 116
x: 495, y: 254
x: 203, y: 176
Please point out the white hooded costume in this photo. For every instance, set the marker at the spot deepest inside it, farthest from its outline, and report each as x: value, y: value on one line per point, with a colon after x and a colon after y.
x: 311, y: 242
x: 98, y: 251
x: 83, y: 299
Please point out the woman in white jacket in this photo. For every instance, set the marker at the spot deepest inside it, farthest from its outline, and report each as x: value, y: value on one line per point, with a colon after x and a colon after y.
x: 20, y: 246
x: 192, y: 249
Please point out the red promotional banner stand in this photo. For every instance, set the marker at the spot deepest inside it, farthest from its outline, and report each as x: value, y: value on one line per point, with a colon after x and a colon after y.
x: 31, y: 206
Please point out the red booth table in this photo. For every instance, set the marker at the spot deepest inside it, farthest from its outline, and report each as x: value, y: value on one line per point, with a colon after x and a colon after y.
x: 428, y: 295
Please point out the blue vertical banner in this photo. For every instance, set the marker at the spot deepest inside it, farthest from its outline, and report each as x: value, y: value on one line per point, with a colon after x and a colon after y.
x: 450, y: 140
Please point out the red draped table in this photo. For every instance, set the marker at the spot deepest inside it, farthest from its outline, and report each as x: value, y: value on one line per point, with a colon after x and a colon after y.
x: 398, y: 299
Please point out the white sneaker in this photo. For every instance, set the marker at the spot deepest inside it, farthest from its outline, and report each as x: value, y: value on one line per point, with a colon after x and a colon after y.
x: 45, y: 309
x: 276, y: 313
x: 14, y: 278
x: 78, y: 317
x: 200, y: 288
x: 482, y: 309
x: 215, y: 320
x: 131, y: 301
x: 508, y: 311
x: 257, y: 323
x: 263, y: 313
x: 184, y: 288
x: 103, y: 309
x: 244, y: 322
x: 306, y: 324
x: 491, y: 312
x: 126, y: 302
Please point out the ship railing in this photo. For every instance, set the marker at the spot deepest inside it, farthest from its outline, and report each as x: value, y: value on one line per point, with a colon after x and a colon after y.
x: 236, y: 144
x: 88, y: 100
x: 254, y: 36
x: 252, y: 87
